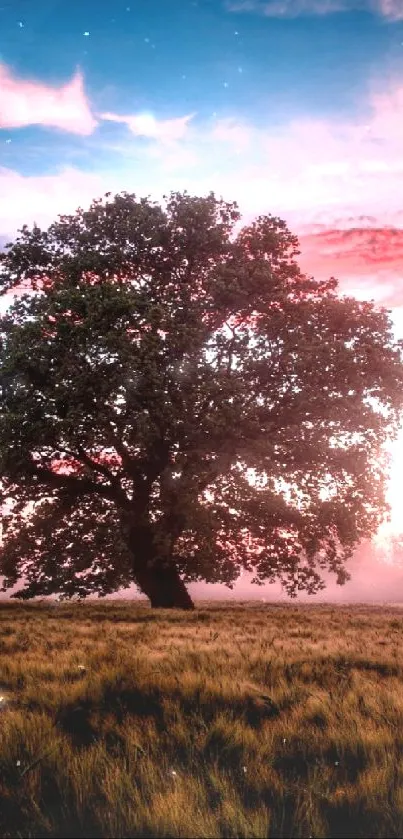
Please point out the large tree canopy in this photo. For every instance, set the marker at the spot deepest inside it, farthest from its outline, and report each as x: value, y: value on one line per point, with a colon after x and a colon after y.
x: 155, y: 359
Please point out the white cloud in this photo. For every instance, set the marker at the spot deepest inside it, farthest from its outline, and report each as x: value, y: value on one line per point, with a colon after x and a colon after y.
x: 147, y: 125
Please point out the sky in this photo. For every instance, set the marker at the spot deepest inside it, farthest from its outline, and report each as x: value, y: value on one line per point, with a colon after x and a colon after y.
x: 290, y: 107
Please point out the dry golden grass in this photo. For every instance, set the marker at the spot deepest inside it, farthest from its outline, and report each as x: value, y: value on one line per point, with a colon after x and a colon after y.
x: 232, y: 721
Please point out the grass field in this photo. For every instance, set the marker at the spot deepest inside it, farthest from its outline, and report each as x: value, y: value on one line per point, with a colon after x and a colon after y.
x: 241, y: 720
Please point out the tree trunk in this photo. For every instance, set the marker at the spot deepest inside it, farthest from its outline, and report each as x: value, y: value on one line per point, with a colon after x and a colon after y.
x: 164, y: 588
x: 156, y: 576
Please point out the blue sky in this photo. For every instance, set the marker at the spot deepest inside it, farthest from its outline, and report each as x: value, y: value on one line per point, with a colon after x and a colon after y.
x: 293, y: 107
x: 253, y: 66
x: 136, y: 56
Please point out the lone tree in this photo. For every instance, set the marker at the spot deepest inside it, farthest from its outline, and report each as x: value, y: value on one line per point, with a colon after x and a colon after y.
x: 180, y: 402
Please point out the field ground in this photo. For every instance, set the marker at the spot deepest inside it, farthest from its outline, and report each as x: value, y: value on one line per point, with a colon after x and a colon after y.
x: 240, y: 720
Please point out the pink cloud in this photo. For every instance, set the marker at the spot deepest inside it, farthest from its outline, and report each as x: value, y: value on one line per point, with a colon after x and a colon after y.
x: 146, y: 125
x: 368, y: 262
x: 41, y: 198
x: 391, y: 10
x: 364, y: 259
x: 24, y: 102
x: 287, y: 8
x: 303, y: 170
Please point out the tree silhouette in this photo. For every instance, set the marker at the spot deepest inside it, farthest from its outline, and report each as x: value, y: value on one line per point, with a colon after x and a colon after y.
x: 157, y: 355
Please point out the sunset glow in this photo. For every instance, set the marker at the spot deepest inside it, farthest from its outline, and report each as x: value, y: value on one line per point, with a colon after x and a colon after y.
x: 390, y: 533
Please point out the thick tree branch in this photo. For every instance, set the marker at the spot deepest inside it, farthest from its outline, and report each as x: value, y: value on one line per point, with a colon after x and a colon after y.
x: 128, y: 463
x: 97, y: 467
x: 76, y: 486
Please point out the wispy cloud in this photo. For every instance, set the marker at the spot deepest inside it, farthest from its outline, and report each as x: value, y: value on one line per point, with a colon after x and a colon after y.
x: 391, y: 10
x: 238, y: 135
x: 287, y: 8
x: 306, y: 170
x: 24, y: 102
x: 147, y: 125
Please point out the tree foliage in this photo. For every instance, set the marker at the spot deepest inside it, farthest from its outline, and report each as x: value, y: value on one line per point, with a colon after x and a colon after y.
x: 157, y: 355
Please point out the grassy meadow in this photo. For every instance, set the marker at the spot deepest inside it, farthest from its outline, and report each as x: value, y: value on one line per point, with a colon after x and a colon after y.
x: 236, y: 720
